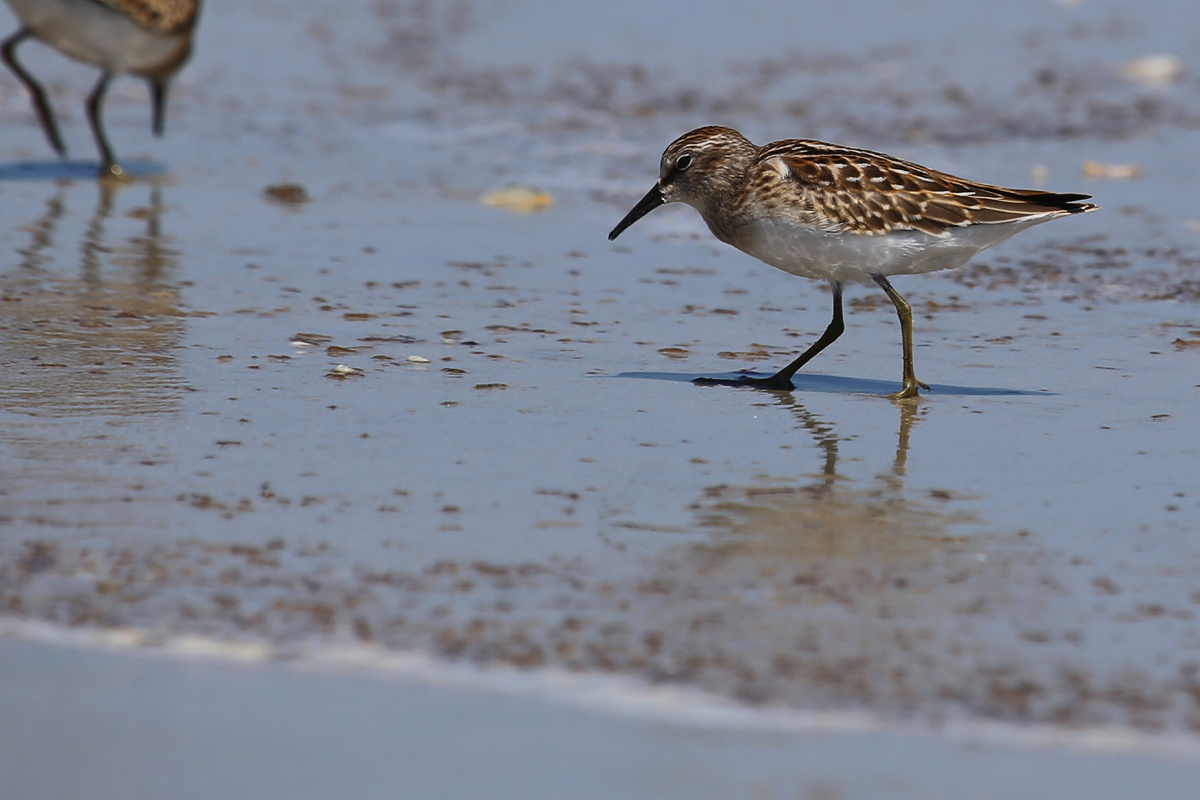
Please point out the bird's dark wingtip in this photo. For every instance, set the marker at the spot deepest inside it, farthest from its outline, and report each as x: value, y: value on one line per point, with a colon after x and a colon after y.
x: 1073, y: 203
x: 1070, y: 202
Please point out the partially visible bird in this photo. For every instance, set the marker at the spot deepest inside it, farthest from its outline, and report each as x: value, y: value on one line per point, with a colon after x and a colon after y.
x: 151, y: 39
x: 840, y: 214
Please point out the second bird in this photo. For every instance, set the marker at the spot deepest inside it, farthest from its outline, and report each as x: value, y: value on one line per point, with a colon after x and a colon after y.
x: 150, y: 39
x: 839, y: 214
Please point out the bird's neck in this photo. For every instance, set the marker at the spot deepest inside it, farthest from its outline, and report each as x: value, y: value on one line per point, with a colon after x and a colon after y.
x: 723, y: 211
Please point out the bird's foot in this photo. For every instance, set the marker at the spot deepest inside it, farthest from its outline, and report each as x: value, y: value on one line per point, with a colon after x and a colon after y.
x: 772, y: 384
x: 113, y: 172
x: 911, y: 389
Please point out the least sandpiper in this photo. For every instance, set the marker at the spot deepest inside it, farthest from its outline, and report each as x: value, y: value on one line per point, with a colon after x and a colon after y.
x: 148, y: 38
x: 840, y: 214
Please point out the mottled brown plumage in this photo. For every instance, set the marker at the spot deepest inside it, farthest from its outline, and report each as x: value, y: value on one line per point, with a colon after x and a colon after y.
x: 848, y: 190
x: 166, y: 17
x: 872, y: 193
x: 840, y: 214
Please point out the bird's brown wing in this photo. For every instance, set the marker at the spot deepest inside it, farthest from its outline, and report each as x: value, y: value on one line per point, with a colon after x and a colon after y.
x: 863, y: 192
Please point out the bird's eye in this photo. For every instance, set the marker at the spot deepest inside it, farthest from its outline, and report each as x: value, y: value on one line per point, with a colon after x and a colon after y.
x: 683, y: 162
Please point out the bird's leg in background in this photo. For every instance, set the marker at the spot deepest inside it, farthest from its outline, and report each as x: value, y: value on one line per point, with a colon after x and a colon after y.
x: 40, y: 104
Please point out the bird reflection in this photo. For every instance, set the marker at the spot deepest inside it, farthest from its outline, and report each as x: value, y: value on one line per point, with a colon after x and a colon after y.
x: 826, y: 438
x: 99, y: 338
x: 42, y: 233
x: 822, y: 432
x: 830, y: 518
x: 834, y: 591
x: 92, y: 245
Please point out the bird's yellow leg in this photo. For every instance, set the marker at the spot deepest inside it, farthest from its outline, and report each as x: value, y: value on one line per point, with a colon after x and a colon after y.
x: 912, y: 386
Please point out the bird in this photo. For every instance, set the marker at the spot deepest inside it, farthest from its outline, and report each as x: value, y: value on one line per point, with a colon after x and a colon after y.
x: 840, y: 214
x: 151, y: 39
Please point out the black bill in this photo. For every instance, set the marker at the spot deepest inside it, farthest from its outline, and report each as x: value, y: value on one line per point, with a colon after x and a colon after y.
x: 652, y: 200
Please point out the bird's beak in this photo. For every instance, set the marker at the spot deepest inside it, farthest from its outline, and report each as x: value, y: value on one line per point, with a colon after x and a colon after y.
x: 653, y: 199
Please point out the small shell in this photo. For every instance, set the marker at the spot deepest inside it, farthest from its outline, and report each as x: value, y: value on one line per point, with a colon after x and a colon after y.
x: 341, y: 372
x: 522, y: 199
x: 1159, y: 69
x: 1096, y: 169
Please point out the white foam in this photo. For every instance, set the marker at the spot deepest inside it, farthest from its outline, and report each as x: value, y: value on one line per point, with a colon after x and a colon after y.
x: 616, y: 695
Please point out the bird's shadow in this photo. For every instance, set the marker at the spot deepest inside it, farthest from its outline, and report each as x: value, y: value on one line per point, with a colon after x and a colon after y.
x: 836, y: 384
x: 73, y: 170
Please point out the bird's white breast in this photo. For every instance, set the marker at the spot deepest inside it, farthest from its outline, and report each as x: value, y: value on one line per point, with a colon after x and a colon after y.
x: 810, y: 252
x: 94, y: 34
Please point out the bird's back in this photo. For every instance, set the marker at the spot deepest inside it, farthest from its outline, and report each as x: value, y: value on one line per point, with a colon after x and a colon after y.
x: 868, y: 193
x: 837, y: 213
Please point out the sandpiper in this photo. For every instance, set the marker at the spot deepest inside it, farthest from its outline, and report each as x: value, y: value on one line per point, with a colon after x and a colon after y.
x: 148, y: 38
x: 840, y: 214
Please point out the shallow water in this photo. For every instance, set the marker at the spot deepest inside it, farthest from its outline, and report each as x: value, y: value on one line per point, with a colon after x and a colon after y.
x: 393, y: 415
